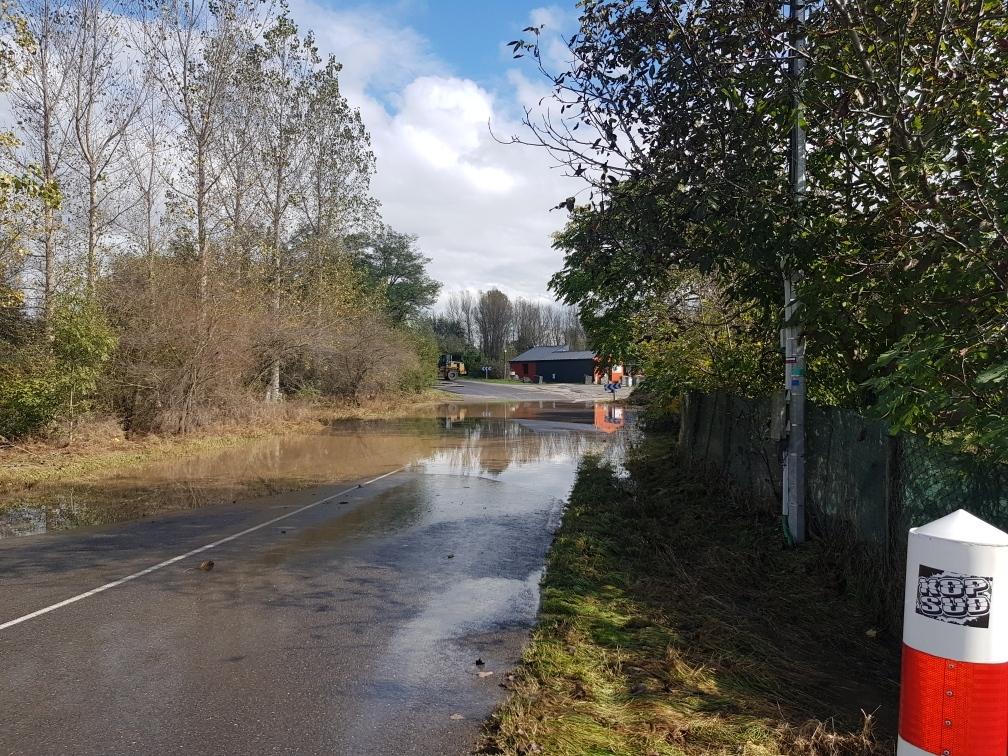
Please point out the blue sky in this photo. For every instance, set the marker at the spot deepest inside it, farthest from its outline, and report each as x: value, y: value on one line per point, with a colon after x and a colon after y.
x: 468, y: 34
x: 429, y: 76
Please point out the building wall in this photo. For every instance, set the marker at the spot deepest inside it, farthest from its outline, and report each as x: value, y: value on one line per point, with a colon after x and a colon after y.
x: 524, y: 369
x: 558, y: 371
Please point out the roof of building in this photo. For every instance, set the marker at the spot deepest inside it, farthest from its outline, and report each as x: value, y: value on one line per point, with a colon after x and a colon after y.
x: 551, y: 353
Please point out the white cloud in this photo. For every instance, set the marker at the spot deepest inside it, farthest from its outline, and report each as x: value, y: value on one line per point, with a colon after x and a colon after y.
x: 377, y: 56
x: 552, y: 17
x: 480, y: 208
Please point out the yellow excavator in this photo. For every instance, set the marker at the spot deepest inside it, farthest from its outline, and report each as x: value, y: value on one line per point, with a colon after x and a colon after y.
x: 449, y: 369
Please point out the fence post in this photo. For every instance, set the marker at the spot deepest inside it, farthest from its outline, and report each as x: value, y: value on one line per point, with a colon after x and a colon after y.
x: 954, y: 687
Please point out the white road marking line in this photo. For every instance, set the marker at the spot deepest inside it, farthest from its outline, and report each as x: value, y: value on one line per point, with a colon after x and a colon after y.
x: 166, y: 562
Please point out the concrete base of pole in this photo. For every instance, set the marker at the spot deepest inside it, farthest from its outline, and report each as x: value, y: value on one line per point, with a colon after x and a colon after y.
x: 905, y: 749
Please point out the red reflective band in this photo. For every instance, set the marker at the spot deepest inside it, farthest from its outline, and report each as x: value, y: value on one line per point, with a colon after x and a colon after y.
x: 953, y: 707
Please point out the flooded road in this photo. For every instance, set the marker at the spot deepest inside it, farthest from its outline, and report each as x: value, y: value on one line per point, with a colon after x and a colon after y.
x: 346, y: 618
x: 348, y: 451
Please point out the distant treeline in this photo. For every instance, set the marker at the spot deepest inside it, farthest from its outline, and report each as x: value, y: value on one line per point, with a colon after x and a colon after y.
x: 489, y: 326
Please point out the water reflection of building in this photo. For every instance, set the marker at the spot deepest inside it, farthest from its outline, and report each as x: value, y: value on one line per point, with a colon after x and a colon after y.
x: 609, y: 418
x: 495, y: 437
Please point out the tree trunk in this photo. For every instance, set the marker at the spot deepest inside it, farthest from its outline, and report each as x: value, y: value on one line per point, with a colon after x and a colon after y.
x: 273, y: 392
x: 48, y: 294
x: 202, y: 245
x: 92, y: 253
x: 48, y: 226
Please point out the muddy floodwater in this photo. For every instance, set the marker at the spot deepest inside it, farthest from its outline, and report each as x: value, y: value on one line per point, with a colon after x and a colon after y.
x: 367, y: 589
x: 478, y: 439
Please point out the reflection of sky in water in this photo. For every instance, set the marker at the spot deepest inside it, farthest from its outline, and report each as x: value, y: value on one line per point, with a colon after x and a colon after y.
x: 513, y: 442
x: 467, y: 607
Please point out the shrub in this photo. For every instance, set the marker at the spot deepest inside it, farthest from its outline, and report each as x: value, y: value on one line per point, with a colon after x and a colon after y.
x: 42, y: 380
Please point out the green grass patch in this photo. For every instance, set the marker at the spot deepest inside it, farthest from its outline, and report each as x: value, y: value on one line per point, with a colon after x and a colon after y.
x: 674, y: 621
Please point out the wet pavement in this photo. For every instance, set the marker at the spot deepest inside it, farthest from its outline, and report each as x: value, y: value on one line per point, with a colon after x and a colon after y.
x: 345, y: 618
x: 474, y: 389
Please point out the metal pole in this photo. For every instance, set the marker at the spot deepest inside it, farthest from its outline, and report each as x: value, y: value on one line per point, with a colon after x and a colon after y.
x: 792, y: 334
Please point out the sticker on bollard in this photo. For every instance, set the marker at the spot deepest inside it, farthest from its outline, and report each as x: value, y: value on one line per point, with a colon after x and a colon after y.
x: 954, y: 687
x: 950, y: 597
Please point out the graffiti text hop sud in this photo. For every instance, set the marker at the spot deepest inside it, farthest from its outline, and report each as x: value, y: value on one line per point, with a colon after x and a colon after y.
x: 950, y: 597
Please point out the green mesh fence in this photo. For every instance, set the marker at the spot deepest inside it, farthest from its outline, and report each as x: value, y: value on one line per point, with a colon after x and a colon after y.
x: 857, y: 475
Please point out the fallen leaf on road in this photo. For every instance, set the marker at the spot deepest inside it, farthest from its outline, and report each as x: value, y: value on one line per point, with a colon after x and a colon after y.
x: 479, y: 662
x: 457, y: 716
x: 484, y: 674
x: 207, y: 565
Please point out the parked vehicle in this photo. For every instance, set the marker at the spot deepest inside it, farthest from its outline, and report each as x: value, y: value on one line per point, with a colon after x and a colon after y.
x: 449, y: 369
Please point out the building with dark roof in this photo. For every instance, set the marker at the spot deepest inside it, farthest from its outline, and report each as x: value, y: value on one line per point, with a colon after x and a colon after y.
x: 554, y: 364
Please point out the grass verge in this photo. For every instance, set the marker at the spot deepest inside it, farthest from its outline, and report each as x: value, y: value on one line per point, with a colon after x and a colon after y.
x: 674, y: 622
x: 101, y: 447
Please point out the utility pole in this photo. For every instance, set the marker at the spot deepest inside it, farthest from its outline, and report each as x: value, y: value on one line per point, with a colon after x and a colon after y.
x: 792, y: 333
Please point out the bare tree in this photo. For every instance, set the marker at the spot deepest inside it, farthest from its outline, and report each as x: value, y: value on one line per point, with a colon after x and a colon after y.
x: 493, y: 316
x: 235, y: 157
x: 145, y: 160
x: 573, y: 331
x: 104, y: 98
x: 197, y: 46
x: 196, y: 133
x: 461, y: 306
x: 529, y: 324
x: 282, y: 68
x: 39, y: 103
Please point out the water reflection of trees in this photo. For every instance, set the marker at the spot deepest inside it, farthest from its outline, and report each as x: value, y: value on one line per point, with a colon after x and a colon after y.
x: 256, y: 468
x: 483, y: 439
x: 492, y: 445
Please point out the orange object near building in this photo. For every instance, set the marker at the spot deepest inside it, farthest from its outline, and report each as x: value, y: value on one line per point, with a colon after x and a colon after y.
x: 615, y: 374
x: 608, y: 418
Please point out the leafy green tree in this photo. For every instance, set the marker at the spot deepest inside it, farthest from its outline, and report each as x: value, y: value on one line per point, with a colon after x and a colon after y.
x: 449, y: 333
x: 396, y: 266
x: 677, y: 115
x: 42, y: 381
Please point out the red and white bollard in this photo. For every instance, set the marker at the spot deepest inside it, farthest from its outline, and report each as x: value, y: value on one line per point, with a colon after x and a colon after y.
x: 954, y: 691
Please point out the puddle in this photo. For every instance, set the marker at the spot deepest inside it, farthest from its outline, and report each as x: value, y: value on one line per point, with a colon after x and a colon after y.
x: 487, y: 441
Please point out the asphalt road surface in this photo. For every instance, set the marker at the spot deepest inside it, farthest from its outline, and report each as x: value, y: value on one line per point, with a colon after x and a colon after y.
x: 342, y: 620
x: 528, y: 392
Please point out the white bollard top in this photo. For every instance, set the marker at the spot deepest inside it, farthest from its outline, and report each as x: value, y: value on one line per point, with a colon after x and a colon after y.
x: 957, y: 590
x: 964, y: 527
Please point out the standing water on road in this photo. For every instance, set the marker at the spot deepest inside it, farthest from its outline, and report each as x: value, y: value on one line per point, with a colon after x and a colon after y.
x: 490, y: 436
x: 358, y: 615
